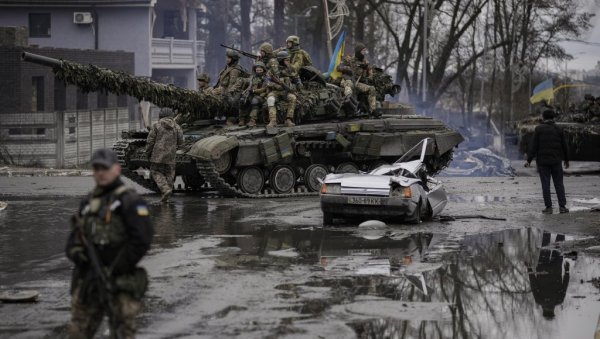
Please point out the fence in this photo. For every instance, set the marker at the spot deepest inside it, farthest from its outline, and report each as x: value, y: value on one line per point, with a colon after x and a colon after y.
x: 59, y: 139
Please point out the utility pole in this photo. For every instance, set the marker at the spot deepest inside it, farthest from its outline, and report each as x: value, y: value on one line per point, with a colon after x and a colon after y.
x: 485, y: 47
x: 425, y: 54
x: 327, y: 28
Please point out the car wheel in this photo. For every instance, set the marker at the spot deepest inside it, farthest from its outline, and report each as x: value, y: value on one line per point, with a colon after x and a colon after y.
x: 327, y: 219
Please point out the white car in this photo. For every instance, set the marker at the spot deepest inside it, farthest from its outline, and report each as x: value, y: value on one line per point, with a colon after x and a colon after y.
x: 401, y: 191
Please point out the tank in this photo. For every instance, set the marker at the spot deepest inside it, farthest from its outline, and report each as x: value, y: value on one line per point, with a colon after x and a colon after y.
x: 581, y: 129
x: 333, y: 134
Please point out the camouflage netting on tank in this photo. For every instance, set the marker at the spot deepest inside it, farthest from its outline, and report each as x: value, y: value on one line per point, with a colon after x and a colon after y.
x: 91, y: 78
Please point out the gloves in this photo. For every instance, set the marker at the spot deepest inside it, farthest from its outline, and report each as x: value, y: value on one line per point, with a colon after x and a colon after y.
x: 78, y: 255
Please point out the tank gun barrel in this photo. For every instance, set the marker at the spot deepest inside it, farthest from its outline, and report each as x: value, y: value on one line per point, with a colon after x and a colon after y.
x: 91, y: 78
x: 41, y: 60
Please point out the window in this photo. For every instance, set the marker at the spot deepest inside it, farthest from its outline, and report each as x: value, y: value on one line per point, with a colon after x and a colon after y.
x: 173, y: 26
x: 82, y: 100
x: 37, y: 94
x: 122, y: 100
x: 27, y: 131
x: 39, y: 25
x: 102, y: 100
x: 60, y: 95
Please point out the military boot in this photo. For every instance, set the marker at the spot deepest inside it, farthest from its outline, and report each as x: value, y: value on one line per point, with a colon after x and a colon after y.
x: 241, y: 122
x: 289, y: 122
x: 272, y: 117
x: 253, y: 114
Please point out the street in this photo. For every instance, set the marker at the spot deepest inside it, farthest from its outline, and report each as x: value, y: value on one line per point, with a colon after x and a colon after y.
x: 267, y: 268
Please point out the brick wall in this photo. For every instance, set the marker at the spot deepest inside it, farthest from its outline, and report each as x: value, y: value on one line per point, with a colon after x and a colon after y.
x: 16, y: 75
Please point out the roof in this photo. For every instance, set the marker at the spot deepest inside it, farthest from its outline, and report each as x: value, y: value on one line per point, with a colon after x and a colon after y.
x: 70, y: 3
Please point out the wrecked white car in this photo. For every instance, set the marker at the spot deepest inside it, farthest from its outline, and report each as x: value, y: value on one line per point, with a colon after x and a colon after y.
x: 402, y: 191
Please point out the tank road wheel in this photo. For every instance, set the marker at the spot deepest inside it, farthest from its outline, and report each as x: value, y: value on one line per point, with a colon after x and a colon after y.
x: 251, y: 180
x: 282, y: 179
x: 223, y: 164
x: 312, y: 175
x: 193, y: 182
x: 347, y: 167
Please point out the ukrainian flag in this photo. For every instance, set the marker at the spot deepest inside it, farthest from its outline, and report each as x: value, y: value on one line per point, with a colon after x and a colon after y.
x: 543, y: 91
x: 336, y: 58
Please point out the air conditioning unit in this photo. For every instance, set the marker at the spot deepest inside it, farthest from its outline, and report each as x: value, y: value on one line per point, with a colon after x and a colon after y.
x: 82, y: 18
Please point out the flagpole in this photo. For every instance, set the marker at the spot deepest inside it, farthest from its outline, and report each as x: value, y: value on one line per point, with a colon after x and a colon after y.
x: 327, y: 28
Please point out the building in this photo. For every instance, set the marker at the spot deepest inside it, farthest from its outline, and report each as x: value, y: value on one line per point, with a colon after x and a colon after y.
x: 160, y: 33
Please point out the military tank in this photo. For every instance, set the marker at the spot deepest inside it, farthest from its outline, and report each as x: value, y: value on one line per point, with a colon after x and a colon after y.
x: 333, y: 134
x: 582, y: 133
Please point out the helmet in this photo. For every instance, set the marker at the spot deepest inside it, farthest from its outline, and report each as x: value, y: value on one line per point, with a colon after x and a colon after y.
x: 203, y: 77
x: 293, y: 39
x: 266, y: 47
x: 282, y: 55
x: 259, y: 64
x: 233, y: 55
x: 359, y: 47
x: 165, y: 113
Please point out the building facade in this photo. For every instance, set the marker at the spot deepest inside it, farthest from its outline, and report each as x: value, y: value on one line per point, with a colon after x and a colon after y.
x: 161, y: 34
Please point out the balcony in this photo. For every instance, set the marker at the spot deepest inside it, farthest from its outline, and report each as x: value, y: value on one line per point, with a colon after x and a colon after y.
x: 177, y: 54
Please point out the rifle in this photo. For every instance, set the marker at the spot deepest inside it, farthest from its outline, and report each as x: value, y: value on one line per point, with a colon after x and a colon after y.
x: 106, y: 287
x: 246, y: 93
x: 246, y: 54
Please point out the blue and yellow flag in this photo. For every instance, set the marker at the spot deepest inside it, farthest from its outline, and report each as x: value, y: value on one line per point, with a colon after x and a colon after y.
x: 543, y: 91
x: 336, y: 58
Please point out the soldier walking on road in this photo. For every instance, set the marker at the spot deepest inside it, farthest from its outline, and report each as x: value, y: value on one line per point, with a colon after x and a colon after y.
x: 162, y: 142
x: 549, y: 148
x: 110, y: 233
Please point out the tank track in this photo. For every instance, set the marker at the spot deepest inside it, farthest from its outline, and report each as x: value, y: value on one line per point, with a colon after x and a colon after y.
x: 120, y: 147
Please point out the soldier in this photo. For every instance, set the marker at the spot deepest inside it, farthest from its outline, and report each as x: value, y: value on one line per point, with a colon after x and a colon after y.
x: 110, y: 233
x: 284, y: 80
x: 203, y: 80
x: 229, y: 75
x: 298, y: 57
x: 162, y: 142
x: 266, y: 56
x: 255, y: 93
x: 356, y: 72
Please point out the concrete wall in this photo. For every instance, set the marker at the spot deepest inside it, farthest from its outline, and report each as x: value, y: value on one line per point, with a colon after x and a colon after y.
x: 119, y: 29
x: 68, y: 140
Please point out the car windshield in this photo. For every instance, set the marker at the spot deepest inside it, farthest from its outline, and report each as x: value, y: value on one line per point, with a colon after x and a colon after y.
x: 418, y: 151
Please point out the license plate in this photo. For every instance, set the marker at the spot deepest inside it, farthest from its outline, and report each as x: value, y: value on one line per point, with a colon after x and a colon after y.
x: 364, y: 201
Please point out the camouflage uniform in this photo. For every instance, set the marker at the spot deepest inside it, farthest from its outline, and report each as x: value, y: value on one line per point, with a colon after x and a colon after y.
x: 254, y: 94
x: 203, y: 80
x: 289, y: 77
x: 114, y: 221
x: 229, y: 75
x: 298, y: 57
x: 356, y: 72
x: 162, y: 142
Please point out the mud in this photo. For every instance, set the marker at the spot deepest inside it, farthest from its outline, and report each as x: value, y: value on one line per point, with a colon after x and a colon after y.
x: 265, y: 269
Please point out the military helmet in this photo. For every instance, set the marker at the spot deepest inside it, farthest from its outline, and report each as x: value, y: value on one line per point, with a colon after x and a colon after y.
x: 233, y: 54
x: 165, y: 112
x: 203, y: 77
x: 259, y: 64
x: 282, y: 55
x: 294, y: 39
x: 266, y: 47
x: 359, y: 47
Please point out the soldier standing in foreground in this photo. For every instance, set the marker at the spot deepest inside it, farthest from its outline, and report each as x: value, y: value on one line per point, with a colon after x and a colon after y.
x: 357, y: 72
x: 162, y: 142
x: 110, y: 233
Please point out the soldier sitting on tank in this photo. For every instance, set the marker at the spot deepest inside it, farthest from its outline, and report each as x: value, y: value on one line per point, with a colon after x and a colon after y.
x: 266, y: 56
x: 298, y: 57
x: 203, y: 80
x: 229, y: 75
x: 254, y: 94
x: 356, y: 73
x: 281, y: 83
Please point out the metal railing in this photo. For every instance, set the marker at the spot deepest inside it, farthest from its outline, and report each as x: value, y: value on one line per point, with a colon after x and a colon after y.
x: 174, y: 52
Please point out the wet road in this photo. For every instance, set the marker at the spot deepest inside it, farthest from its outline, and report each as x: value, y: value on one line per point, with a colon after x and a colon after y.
x: 266, y: 268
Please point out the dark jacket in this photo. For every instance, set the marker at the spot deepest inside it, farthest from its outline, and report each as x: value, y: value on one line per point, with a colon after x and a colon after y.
x: 133, y: 212
x: 548, y: 145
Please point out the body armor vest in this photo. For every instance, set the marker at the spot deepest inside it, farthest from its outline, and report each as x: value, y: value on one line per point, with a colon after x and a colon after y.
x: 100, y: 224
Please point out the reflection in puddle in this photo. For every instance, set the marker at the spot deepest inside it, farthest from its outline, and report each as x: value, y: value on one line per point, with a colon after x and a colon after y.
x: 427, y: 285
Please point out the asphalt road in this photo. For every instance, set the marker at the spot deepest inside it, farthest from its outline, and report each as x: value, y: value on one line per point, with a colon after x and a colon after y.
x: 267, y: 268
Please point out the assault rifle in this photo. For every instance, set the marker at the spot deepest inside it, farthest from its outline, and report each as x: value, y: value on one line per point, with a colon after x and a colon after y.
x: 246, y: 54
x: 106, y: 287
